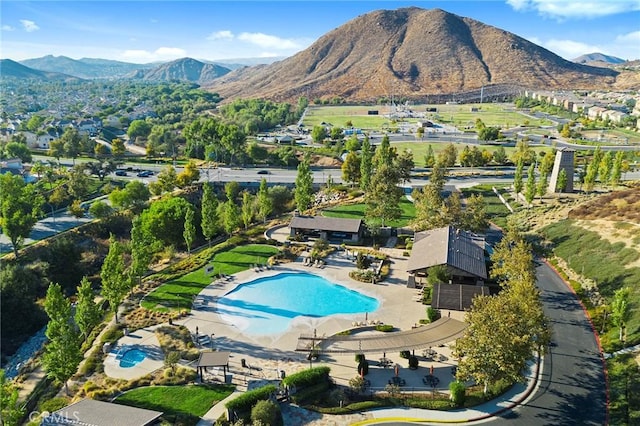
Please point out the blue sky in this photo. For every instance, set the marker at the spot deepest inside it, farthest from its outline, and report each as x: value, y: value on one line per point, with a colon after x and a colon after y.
x: 148, y: 31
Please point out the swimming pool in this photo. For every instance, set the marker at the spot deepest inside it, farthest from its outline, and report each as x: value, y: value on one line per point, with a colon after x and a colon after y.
x: 132, y: 357
x: 268, y: 305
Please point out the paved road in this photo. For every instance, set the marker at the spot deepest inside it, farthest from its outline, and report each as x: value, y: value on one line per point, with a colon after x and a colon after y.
x: 572, y: 390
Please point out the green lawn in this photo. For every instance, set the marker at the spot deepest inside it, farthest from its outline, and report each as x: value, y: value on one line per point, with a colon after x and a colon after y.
x: 178, y: 294
x: 188, y: 403
x: 458, y: 115
x: 356, y: 211
x: 497, y: 212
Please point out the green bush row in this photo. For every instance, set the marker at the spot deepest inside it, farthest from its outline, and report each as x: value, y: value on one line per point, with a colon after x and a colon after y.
x: 308, y: 377
x: 385, y: 328
x: 311, y: 393
x: 247, y: 400
x: 351, y: 408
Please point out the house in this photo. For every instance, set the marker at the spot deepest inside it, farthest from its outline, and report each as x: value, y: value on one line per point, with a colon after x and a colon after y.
x: 460, y: 251
x: 286, y: 139
x: 331, y: 229
x: 595, y: 112
x: 12, y: 165
x: 44, y: 140
x: 100, y: 413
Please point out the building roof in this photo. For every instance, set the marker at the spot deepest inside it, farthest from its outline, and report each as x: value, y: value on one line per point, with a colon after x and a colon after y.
x: 448, y: 246
x: 456, y: 297
x: 89, y: 412
x: 321, y: 223
x: 213, y: 359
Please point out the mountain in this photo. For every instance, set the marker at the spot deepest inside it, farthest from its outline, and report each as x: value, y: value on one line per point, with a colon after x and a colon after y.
x: 592, y: 58
x: 85, y: 68
x: 13, y: 69
x: 185, y: 69
x: 412, y: 53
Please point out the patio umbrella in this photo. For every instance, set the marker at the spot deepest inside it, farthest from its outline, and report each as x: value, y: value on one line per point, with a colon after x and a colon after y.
x: 397, y: 370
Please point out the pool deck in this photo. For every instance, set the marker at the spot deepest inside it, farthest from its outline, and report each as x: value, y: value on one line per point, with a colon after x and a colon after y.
x: 266, y: 356
x: 144, y: 339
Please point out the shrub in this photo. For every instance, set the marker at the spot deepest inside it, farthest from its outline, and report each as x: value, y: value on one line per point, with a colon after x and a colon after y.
x: 244, y: 402
x: 385, y: 328
x: 308, y: 377
x: 432, y: 314
x: 54, y: 404
x: 356, y: 384
x: 267, y: 413
x: 360, y: 358
x: 405, y: 354
x: 413, y: 362
x: 310, y: 394
x: 457, y: 390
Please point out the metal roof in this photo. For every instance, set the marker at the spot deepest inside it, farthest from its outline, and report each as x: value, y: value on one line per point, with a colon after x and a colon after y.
x: 442, y: 331
x: 448, y: 246
x: 322, y: 223
x: 457, y: 297
x: 89, y: 412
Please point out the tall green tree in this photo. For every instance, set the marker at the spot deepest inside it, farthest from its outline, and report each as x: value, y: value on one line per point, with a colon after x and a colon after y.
x: 19, y: 208
x: 318, y: 134
x: 115, y: 284
x: 210, y: 220
x: 72, y: 143
x: 230, y: 216
x: 351, y: 168
x: 143, y: 246
x: 530, y: 190
x: 366, y: 164
x: 616, y: 172
x: 248, y: 207
x: 56, y: 149
x: 620, y: 309
x: 475, y: 214
x: 447, y: 157
x: 517, y: 178
x: 562, y: 181
x: 265, y: 203
x: 87, y: 314
x: 430, y: 157
x: 189, y: 228
x: 117, y: 148
x: 384, y: 196
x: 304, y: 186
x: 62, y: 354
x: 604, y: 168
x: 384, y: 154
x: 167, y: 178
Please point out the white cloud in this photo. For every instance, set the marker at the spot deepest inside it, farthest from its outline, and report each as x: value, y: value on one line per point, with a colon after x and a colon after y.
x: 624, y: 46
x: 29, y: 26
x: 269, y: 41
x: 162, y: 53
x: 7, y: 28
x: 221, y: 35
x: 563, y: 9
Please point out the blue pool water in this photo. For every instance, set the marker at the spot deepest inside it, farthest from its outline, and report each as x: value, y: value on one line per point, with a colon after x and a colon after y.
x: 131, y: 358
x: 268, y: 305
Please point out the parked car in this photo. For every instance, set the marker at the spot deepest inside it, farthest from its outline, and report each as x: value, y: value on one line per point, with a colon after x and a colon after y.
x: 263, y: 172
x: 145, y: 173
x: 121, y: 173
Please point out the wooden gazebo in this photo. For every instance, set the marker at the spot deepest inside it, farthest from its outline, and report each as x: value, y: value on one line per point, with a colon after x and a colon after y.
x: 213, y: 359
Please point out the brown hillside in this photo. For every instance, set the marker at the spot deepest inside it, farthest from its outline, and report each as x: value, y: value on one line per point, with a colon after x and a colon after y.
x: 410, y: 52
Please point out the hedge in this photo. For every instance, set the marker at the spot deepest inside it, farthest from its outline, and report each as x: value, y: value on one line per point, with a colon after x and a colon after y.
x: 247, y: 400
x: 308, y: 377
x: 310, y: 393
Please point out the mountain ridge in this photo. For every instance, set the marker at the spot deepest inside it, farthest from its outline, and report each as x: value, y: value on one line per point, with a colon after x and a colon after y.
x: 410, y: 52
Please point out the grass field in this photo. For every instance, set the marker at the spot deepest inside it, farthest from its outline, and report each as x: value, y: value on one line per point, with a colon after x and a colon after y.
x: 356, y: 211
x: 497, y: 212
x: 606, y: 263
x: 178, y: 294
x: 459, y: 115
x: 188, y: 403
